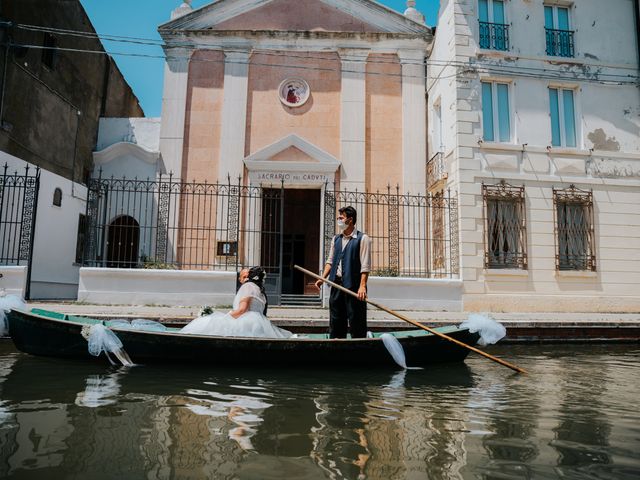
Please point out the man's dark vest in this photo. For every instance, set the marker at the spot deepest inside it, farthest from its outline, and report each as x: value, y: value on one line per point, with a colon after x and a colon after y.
x: 350, y: 261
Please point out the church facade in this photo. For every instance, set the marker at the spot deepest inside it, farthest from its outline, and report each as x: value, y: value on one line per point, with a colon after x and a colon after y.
x: 301, y: 97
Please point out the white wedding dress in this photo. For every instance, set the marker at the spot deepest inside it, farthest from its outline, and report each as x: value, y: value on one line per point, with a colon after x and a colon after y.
x: 252, y: 323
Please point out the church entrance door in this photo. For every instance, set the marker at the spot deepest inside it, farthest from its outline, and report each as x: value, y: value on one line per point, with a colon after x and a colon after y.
x: 290, y: 236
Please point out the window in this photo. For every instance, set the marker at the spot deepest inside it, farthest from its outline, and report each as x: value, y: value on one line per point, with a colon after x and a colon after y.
x: 558, y: 35
x: 563, y: 117
x: 80, y: 238
x: 57, y: 197
x: 505, y: 226
x: 496, y: 117
x: 494, y: 32
x: 574, y: 229
x: 49, y: 51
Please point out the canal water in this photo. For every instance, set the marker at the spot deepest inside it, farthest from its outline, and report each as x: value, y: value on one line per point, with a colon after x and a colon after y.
x: 574, y: 416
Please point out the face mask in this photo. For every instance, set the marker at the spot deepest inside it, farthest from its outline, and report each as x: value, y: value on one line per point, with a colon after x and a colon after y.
x: 342, y: 225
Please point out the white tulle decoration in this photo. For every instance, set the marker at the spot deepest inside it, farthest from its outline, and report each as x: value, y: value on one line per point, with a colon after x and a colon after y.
x: 101, y: 339
x: 137, y: 324
x: 490, y: 331
x: 8, y: 302
x: 119, y: 323
x: 396, y: 351
x: 148, y: 325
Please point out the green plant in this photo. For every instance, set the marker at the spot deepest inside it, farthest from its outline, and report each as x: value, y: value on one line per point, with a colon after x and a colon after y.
x: 385, y: 272
x: 153, y: 264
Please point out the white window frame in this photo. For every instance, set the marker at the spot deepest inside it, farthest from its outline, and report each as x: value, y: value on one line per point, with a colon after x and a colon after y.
x: 576, y: 112
x: 494, y: 101
x: 490, y: 16
x: 554, y: 8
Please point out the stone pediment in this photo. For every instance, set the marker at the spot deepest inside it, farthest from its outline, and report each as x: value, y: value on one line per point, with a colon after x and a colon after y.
x: 292, y: 154
x: 297, y: 15
x: 123, y: 149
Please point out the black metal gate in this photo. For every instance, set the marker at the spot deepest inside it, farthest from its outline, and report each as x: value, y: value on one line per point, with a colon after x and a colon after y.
x: 271, y: 245
x: 18, y: 208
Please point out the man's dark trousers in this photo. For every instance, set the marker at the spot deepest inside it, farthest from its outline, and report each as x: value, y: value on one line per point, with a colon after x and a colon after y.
x: 346, y: 314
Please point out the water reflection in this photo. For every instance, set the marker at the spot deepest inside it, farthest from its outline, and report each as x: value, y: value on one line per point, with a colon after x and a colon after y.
x: 565, y: 419
x: 100, y: 390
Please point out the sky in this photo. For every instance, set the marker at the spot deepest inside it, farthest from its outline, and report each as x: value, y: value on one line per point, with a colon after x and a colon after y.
x: 140, y: 19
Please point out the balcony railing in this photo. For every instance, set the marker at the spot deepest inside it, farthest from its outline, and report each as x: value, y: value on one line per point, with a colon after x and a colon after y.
x: 559, y: 42
x: 435, y: 170
x: 494, y: 36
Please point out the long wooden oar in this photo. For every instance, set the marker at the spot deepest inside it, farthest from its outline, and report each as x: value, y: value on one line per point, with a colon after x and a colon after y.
x: 412, y: 322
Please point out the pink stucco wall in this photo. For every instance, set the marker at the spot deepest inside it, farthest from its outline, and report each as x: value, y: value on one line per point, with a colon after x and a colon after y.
x: 203, y: 116
x: 317, y: 121
x: 383, y: 151
x: 201, y: 154
x: 308, y: 15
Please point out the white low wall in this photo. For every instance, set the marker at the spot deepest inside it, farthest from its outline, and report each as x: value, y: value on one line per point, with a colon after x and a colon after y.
x: 54, y: 273
x: 417, y: 293
x: 156, y: 287
x: 14, y: 280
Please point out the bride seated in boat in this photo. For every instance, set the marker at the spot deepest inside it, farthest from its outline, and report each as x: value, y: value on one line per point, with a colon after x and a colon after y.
x: 247, y: 319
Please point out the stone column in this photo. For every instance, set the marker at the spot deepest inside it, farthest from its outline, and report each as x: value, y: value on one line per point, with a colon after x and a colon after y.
x: 414, y: 150
x: 174, y: 102
x: 414, y: 140
x: 234, y: 114
x: 353, y: 119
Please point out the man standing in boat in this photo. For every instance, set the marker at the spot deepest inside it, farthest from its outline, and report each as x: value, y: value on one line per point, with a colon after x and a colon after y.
x: 348, y: 264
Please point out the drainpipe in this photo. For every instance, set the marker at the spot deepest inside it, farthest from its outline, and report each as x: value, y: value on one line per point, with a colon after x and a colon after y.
x: 4, y: 25
x: 636, y: 10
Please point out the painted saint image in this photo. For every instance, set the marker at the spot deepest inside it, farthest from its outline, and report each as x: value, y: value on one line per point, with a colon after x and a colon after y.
x: 294, y: 92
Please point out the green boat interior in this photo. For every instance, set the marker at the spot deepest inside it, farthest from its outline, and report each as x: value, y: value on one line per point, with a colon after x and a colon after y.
x: 317, y: 336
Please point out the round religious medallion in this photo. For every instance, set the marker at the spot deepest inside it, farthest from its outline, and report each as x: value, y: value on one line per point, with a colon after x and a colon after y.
x: 293, y: 92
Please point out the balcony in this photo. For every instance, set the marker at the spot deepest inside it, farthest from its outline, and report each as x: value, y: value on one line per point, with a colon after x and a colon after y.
x: 494, y: 36
x: 559, y: 42
x: 436, y: 171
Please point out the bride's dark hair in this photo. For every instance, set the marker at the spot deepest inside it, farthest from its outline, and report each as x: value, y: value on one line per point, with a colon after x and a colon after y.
x: 257, y: 276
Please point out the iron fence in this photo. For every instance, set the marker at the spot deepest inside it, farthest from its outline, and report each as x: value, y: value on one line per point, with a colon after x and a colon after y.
x: 411, y: 235
x: 166, y: 223
x: 162, y: 223
x: 18, y: 207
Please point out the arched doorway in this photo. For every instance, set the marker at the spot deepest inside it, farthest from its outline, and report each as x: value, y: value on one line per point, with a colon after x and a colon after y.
x: 122, y: 242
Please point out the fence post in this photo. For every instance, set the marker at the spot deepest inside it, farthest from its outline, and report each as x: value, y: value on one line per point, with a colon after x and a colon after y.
x: 2, y: 188
x: 164, y: 207
x: 394, y: 230
x: 329, y: 218
x: 453, y: 235
x: 233, y: 218
x: 31, y: 226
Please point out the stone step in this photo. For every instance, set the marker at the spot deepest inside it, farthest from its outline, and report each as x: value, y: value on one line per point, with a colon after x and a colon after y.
x: 300, y: 300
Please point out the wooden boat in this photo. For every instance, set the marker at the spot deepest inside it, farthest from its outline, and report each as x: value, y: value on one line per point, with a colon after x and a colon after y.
x: 46, y: 333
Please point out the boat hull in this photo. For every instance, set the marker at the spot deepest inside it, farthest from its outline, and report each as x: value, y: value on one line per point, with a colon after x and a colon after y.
x: 38, y: 335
